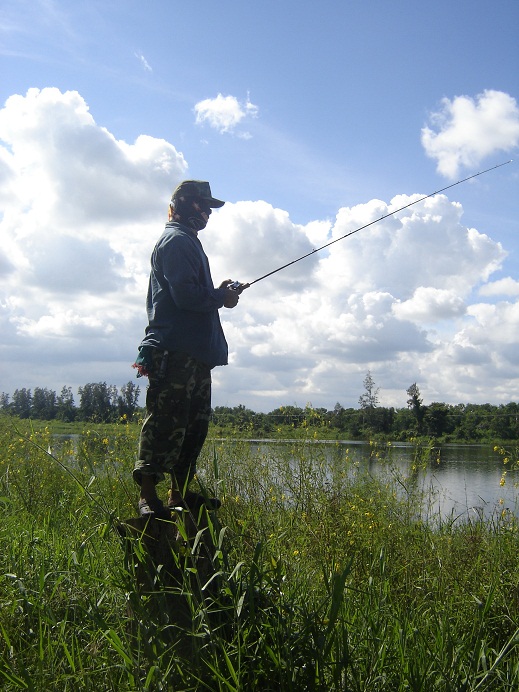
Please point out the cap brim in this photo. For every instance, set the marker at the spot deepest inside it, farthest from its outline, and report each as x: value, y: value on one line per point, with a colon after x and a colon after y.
x: 215, y: 203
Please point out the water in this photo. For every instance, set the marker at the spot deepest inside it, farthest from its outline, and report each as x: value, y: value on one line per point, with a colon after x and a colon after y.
x: 465, y: 480
x: 468, y: 481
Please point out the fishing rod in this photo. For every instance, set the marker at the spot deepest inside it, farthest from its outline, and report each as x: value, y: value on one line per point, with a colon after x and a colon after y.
x: 236, y: 285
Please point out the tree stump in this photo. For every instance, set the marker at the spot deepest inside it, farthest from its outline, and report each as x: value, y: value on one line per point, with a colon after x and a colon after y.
x: 172, y: 562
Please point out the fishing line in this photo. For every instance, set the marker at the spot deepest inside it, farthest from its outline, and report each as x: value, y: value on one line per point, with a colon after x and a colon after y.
x: 237, y: 285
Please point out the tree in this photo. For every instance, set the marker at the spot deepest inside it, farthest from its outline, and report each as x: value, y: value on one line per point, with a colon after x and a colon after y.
x: 128, y: 400
x: 44, y: 404
x: 415, y: 404
x: 436, y: 419
x: 369, y: 400
x: 21, y: 404
x: 337, y: 418
x: 65, y: 408
x: 98, y: 402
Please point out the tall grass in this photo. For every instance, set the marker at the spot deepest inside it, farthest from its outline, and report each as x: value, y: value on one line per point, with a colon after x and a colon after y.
x: 327, y: 577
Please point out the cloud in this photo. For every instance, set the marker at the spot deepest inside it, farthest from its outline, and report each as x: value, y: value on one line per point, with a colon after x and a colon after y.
x: 392, y: 297
x: 74, y: 228
x: 65, y: 168
x: 430, y: 305
x: 423, y: 246
x: 224, y: 113
x: 66, y: 265
x: 466, y: 130
x: 242, y: 232
x: 396, y: 298
x: 503, y: 287
x: 143, y: 62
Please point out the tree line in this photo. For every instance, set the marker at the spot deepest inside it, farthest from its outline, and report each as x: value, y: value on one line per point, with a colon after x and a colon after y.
x: 454, y: 423
x: 459, y: 422
x: 100, y: 402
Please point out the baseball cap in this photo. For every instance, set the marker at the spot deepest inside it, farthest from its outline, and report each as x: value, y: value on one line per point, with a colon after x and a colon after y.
x: 196, y: 188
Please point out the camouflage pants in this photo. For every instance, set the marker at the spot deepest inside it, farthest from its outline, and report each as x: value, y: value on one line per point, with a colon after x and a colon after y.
x: 178, y: 408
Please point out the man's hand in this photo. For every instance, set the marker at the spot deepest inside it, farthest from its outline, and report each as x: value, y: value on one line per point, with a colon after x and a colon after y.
x: 231, y: 295
x: 231, y: 298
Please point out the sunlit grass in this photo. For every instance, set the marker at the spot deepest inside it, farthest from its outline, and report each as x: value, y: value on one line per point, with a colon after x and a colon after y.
x: 329, y: 579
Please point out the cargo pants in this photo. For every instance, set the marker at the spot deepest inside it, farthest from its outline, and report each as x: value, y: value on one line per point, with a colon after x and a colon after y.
x: 178, y: 409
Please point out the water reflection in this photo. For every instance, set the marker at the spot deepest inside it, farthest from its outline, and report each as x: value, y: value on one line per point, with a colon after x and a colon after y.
x: 463, y: 481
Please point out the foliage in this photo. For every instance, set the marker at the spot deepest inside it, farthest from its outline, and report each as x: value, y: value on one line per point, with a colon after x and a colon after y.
x: 328, y: 577
x: 444, y: 422
x: 369, y: 400
x: 415, y: 403
x: 99, y: 402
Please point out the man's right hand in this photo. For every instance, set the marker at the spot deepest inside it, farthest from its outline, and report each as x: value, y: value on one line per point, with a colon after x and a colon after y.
x: 231, y: 298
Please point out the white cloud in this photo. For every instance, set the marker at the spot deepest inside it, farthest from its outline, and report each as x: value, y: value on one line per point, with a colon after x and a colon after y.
x: 395, y: 298
x: 143, y: 62
x: 250, y: 239
x: 74, y: 229
x: 65, y: 168
x: 63, y: 324
x: 467, y: 130
x: 503, y: 287
x: 224, y: 113
x: 429, y: 304
x: 369, y: 300
x: 425, y: 245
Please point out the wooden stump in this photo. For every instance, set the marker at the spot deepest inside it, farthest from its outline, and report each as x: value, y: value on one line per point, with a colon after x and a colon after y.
x: 171, y: 561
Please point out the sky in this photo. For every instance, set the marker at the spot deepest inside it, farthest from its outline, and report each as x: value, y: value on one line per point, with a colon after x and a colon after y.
x: 310, y: 120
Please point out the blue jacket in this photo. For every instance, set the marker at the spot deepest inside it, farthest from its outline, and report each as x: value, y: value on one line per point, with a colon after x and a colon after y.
x: 182, y: 301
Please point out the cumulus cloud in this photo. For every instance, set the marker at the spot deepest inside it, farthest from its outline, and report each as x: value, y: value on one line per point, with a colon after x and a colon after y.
x: 503, y: 287
x: 250, y: 239
x: 467, y: 130
x: 482, y: 356
x: 224, y: 113
x: 391, y: 297
x: 429, y: 304
x: 65, y: 167
x: 424, y: 245
x: 395, y: 298
x: 74, y: 246
x: 67, y: 265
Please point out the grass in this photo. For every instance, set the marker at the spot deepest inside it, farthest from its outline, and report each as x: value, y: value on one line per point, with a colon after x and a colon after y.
x: 327, y: 577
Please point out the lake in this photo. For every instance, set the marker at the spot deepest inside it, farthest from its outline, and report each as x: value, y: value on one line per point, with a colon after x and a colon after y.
x: 464, y: 480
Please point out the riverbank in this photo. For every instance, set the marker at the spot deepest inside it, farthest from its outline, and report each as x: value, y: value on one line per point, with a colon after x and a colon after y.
x: 328, y: 577
x: 318, y: 432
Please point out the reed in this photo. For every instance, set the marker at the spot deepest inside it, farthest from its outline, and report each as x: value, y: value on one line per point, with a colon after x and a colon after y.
x: 325, y: 577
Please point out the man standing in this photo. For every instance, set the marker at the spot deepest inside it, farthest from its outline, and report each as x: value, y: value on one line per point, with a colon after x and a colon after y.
x: 184, y: 340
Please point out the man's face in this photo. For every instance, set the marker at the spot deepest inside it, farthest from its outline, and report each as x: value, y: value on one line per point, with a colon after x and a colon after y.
x: 203, y: 209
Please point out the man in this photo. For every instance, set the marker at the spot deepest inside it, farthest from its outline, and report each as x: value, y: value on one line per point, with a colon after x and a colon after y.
x: 184, y: 340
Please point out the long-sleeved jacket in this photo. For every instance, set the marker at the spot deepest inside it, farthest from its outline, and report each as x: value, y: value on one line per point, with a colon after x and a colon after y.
x: 182, y: 301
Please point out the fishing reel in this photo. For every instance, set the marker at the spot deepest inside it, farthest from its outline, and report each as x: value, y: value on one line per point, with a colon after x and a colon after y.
x: 237, y: 286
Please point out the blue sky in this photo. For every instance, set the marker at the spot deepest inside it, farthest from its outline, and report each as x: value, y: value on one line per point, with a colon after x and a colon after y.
x: 309, y: 119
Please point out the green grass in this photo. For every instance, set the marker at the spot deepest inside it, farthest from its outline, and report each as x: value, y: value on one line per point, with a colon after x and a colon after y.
x: 328, y: 579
